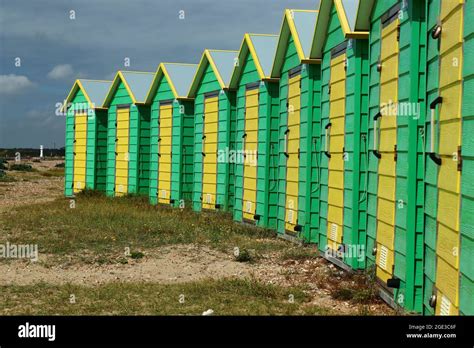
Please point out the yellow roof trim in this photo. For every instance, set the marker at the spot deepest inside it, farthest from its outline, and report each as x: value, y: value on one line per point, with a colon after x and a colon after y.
x: 196, y: 73
x: 85, y: 93
x: 165, y: 72
x: 129, y: 90
x: 358, y: 35
x: 112, y: 87
x: 294, y: 33
x: 78, y: 85
x: 253, y: 52
x: 311, y: 61
x: 345, y: 24
x: 213, y: 65
x: 342, y: 18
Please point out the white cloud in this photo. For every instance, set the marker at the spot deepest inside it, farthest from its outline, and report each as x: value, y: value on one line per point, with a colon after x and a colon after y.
x: 11, y: 84
x: 61, y: 71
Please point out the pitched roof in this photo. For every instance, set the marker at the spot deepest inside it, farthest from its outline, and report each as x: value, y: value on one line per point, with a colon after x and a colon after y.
x: 179, y: 77
x: 262, y: 47
x: 94, y: 91
x: 137, y: 84
x: 362, y: 21
x: 222, y: 63
x: 300, y: 24
x: 346, y: 12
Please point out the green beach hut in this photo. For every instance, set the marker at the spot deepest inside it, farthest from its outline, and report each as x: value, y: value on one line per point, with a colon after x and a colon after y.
x: 449, y: 193
x: 171, y: 134
x: 128, y: 145
x: 256, y: 131
x: 86, y: 137
x: 214, y: 122
x: 344, y: 69
x: 298, y: 129
x: 397, y: 92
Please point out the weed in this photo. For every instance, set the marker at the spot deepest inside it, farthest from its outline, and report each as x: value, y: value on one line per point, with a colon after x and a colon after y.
x: 137, y: 255
x: 22, y: 167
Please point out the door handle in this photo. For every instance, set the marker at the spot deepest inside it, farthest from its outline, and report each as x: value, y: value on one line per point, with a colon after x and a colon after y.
x: 434, y: 157
x: 326, y: 143
x: 375, y: 151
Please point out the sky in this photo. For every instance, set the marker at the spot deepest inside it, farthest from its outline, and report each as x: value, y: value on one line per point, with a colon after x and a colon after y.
x: 46, y: 45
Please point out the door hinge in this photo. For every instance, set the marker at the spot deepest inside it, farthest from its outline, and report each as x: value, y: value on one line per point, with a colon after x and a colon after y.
x: 329, y: 89
x: 459, y: 159
x: 398, y: 33
x: 395, y: 153
x: 298, y: 153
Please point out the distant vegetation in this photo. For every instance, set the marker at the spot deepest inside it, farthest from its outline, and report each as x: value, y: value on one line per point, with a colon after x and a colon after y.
x: 30, y: 152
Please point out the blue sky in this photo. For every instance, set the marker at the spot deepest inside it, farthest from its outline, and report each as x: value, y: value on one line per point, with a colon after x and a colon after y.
x: 53, y: 49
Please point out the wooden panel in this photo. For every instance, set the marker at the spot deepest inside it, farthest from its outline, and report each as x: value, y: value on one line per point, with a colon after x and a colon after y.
x: 387, y: 166
x: 209, y: 176
x: 122, y: 152
x: 80, y: 151
x: 449, y: 178
x: 337, y: 110
x: 447, y: 281
x: 293, y: 162
x: 164, y: 153
x: 250, y: 147
x: 447, y: 245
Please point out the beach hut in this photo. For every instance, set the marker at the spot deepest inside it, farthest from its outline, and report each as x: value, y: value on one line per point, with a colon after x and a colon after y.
x: 298, y: 128
x: 214, y: 122
x: 344, y: 70
x: 86, y: 136
x: 171, y: 134
x: 449, y: 193
x: 128, y: 144
x: 256, y: 131
x: 397, y: 86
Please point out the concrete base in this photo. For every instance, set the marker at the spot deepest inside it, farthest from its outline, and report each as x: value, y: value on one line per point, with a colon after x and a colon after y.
x: 337, y: 262
x: 290, y: 238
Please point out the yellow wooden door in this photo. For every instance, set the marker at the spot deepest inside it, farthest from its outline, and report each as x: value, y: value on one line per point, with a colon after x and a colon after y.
x: 449, y: 178
x: 250, y: 142
x: 209, y: 172
x: 337, y: 112
x: 164, y: 153
x: 388, y: 139
x: 122, y: 151
x: 292, y: 152
x: 80, y: 151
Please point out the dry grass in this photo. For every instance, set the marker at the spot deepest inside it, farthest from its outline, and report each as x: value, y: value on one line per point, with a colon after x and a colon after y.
x: 224, y: 297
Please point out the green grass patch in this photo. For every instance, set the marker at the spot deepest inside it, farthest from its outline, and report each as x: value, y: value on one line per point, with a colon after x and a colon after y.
x: 22, y: 167
x: 224, y: 297
x: 299, y: 253
x: 105, y: 226
x: 6, y: 178
x: 54, y: 172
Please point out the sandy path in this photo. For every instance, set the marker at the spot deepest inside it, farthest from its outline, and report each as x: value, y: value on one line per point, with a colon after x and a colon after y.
x: 172, y: 264
x: 30, y: 187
